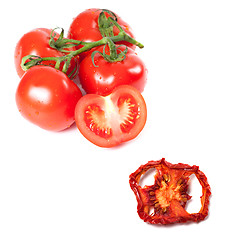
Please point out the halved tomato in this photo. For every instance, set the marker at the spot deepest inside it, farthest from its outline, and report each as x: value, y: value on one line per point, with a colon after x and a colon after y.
x: 110, y: 120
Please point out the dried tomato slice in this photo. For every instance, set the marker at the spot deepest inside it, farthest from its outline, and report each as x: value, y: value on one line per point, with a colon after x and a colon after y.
x: 168, y: 195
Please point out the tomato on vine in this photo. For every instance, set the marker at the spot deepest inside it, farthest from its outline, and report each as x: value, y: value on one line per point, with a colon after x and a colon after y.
x: 85, y: 27
x: 47, y: 97
x: 36, y: 42
x: 97, y: 75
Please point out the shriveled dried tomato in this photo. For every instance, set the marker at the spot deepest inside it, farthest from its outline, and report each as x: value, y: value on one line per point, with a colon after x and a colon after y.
x: 168, y: 195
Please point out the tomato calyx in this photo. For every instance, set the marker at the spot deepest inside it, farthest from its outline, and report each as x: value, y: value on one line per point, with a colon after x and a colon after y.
x: 104, y: 23
x: 61, y: 44
x: 113, y: 56
x: 168, y: 196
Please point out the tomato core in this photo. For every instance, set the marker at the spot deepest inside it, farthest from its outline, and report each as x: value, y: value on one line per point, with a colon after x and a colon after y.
x: 129, y: 113
x: 97, y: 122
x: 100, y: 119
x: 166, y: 193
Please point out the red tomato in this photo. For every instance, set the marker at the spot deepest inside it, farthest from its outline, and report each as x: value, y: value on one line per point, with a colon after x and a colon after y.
x: 36, y: 42
x: 111, y: 120
x: 85, y: 27
x: 106, y: 76
x: 47, y: 97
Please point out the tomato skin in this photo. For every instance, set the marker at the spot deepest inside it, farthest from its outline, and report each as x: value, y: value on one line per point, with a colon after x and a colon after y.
x: 110, y: 114
x: 47, y: 97
x: 36, y: 42
x: 85, y: 27
x: 106, y: 76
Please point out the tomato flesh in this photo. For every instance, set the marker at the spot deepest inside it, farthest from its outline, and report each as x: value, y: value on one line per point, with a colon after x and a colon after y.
x: 129, y: 113
x: 113, y: 119
x: 126, y: 112
x: 96, y: 120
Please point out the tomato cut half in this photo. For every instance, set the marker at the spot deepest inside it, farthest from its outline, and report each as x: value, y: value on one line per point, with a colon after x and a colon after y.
x: 110, y: 120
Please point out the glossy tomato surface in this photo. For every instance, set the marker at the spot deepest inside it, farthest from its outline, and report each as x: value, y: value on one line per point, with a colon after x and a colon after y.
x: 109, y: 121
x: 104, y: 76
x: 47, y: 97
x: 36, y: 42
x: 85, y: 27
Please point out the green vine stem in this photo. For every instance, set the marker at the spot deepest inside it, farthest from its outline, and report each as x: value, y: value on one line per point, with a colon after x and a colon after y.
x: 105, y: 25
x: 113, y: 56
x: 63, y: 44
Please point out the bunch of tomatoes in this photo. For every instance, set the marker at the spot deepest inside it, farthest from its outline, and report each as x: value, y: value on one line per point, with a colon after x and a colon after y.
x: 92, y: 77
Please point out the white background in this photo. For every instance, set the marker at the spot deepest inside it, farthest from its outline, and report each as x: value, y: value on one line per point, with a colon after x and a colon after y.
x: 60, y: 186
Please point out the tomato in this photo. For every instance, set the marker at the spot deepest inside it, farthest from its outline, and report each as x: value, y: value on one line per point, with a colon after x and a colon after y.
x: 47, y: 97
x: 105, y: 76
x: 36, y: 42
x: 113, y: 119
x: 164, y: 202
x: 85, y: 27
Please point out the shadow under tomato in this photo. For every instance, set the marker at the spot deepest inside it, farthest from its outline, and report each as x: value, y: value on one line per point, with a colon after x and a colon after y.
x: 73, y: 127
